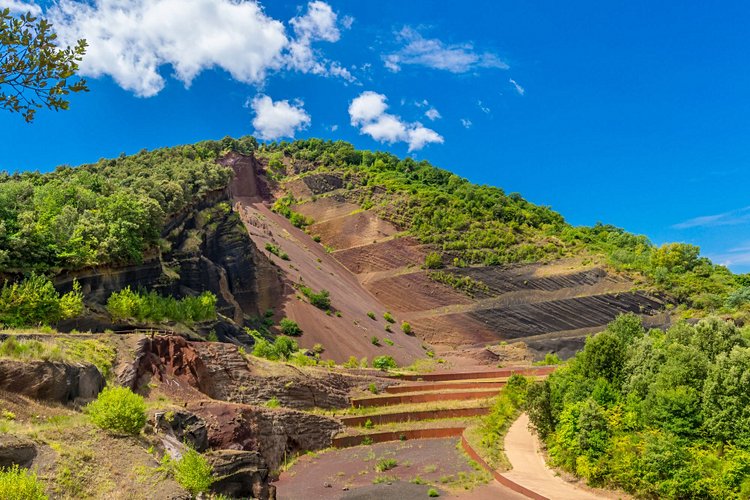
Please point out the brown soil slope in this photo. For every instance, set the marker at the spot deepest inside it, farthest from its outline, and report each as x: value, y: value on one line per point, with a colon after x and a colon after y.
x: 369, y: 264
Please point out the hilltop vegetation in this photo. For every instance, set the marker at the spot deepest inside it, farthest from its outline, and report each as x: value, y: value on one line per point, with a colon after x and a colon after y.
x: 114, y: 211
x: 659, y: 414
x: 109, y: 212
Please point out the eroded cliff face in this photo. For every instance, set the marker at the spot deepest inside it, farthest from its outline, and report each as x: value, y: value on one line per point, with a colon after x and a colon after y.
x: 204, y: 247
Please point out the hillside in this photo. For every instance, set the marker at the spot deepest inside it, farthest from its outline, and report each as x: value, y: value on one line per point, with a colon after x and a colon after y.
x: 268, y: 228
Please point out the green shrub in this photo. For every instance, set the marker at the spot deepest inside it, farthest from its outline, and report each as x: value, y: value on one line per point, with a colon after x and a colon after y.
x: 20, y: 484
x: 34, y: 301
x: 371, y: 315
x: 273, y: 402
x: 193, y: 472
x: 282, y: 348
x: 386, y: 464
x: 549, y: 359
x: 375, y: 341
x: 388, y: 342
x: 290, y: 327
x: 388, y: 317
x: 119, y: 410
x: 150, y: 306
x: 373, y: 388
x: 352, y: 362
x: 433, y: 261
x: 321, y: 300
x: 384, y: 363
x: 406, y: 327
x: 433, y: 493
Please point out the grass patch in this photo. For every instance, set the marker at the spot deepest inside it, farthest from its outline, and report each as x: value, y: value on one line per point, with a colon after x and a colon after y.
x: 386, y: 464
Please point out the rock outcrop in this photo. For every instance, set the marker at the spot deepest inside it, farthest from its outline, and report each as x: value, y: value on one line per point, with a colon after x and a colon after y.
x: 274, y: 433
x: 219, y: 371
x: 15, y: 450
x: 240, y: 474
x: 51, y: 380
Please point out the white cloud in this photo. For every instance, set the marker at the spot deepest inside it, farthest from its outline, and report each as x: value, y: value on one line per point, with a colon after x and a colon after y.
x: 133, y: 40
x: 20, y: 7
x: 368, y: 113
x: 484, y: 108
x: 274, y: 120
x: 433, y: 114
x: 731, y: 218
x: 466, y: 123
x: 433, y: 53
x: 519, y: 89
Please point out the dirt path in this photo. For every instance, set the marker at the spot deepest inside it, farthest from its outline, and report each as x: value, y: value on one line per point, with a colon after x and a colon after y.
x: 529, y: 469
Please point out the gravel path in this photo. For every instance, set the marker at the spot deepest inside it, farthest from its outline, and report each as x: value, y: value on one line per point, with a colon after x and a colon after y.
x: 529, y: 469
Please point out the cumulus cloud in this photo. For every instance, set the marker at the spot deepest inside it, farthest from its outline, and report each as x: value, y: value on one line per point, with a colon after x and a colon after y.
x: 133, y: 40
x: 20, y: 7
x: 274, y: 120
x: 433, y: 114
x: 519, y: 89
x: 368, y: 113
x: 433, y: 53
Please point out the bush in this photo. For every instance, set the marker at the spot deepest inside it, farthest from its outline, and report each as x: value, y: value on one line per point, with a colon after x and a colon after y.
x: 386, y: 464
x: 433, y: 261
x: 34, y: 301
x: 150, y: 306
x: 118, y: 409
x: 20, y: 484
x: 193, y: 472
x: 371, y: 315
x: 388, y: 317
x: 290, y: 327
x: 282, y: 348
x: 384, y: 363
x: 375, y: 341
x: 321, y: 300
x: 406, y: 328
x: 352, y: 362
x: 433, y: 493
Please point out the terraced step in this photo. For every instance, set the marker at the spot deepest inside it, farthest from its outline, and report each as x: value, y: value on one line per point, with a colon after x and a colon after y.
x: 412, y: 416
x: 497, y: 373
x: 439, y: 386
x: 401, y: 435
x: 423, y: 397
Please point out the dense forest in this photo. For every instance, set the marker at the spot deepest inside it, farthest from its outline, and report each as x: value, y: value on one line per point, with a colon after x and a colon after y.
x: 114, y: 211
x: 658, y: 414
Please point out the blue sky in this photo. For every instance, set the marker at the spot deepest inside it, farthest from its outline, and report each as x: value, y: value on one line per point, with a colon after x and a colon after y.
x: 634, y: 113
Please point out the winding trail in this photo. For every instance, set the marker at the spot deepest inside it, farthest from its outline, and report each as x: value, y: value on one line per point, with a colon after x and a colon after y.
x: 529, y: 469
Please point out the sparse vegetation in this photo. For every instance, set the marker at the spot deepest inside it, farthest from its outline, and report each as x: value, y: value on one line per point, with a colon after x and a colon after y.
x: 465, y: 284
x: 273, y: 402
x: 290, y: 327
x: 118, y: 410
x: 321, y: 299
x: 282, y: 348
x: 277, y: 251
x: 371, y: 315
x: 386, y: 464
x: 549, y: 359
x: 432, y: 493
x: 504, y: 411
x: 406, y: 327
x: 375, y: 341
x: 388, y: 317
x: 388, y: 342
x: 384, y: 363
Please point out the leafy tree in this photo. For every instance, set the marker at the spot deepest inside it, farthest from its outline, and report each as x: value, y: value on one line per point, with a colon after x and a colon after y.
x: 34, y: 72
x: 726, y: 398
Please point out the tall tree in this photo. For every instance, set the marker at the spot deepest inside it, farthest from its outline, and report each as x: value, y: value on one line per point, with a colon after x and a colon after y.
x: 34, y: 71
